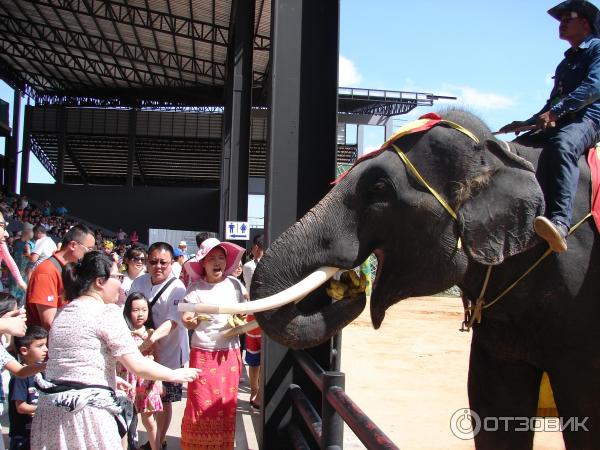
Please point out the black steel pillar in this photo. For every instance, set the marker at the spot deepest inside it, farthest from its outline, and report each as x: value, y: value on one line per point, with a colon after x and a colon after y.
x: 12, y: 146
x: 132, y: 130
x: 61, y: 129
x: 26, y: 146
x: 301, y: 162
x: 238, y: 105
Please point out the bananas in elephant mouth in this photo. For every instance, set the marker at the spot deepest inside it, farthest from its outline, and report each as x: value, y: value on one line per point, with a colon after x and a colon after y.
x: 350, y: 285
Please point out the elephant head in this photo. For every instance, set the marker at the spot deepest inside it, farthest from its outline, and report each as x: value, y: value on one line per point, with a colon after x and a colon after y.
x: 381, y: 207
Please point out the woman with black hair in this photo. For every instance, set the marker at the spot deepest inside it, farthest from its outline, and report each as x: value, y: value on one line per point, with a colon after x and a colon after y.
x: 135, y: 265
x: 79, y: 409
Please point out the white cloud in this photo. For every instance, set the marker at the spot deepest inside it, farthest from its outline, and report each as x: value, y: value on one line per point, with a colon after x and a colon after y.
x: 371, y: 148
x: 348, y: 75
x: 467, y: 97
x: 471, y: 97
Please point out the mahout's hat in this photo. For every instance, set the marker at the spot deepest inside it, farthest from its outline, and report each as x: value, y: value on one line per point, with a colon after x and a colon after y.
x: 584, y: 8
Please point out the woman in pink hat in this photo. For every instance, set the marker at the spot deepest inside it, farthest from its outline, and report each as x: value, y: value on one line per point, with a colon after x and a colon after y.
x: 209, y: 418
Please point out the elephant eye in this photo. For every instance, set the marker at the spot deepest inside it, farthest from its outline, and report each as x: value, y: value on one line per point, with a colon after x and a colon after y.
x: 378, y: 187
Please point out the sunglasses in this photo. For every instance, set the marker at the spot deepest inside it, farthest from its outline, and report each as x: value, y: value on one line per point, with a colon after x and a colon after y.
x: 118, y: 276
x: 155, y: 262
x: 3, y: 224
x: 89, y: 249
x: 138, y: 258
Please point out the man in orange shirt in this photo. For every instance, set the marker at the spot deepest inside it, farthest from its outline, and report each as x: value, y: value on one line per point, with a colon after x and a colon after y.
x: 45, y: 289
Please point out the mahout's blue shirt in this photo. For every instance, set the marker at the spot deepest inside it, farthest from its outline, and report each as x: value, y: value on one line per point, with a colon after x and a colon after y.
x: 576, y: 90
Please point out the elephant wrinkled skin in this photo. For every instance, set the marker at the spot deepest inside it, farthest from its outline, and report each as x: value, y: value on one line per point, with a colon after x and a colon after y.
x: 546, y: 323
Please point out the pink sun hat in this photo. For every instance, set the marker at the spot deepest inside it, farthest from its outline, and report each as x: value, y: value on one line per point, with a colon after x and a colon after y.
x: 233, y: 256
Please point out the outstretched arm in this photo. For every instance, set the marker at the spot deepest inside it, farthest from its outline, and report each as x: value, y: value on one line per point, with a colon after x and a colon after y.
x: 19, y: 370
x: 150, y: 370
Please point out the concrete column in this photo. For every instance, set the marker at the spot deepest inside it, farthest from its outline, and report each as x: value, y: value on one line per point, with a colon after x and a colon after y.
x: 26, y: 148
x: 132, y: 130
x: 236, y: 130
x: 301, y: 163
x: 12, y: 146
x: 360, y: 139
x: 389, y: 127
x: 61, y: 130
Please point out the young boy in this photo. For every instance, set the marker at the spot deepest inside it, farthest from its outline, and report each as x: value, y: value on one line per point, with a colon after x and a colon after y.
x: 22, y: 392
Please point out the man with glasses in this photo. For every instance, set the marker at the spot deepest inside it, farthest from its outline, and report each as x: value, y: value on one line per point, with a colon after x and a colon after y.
x: 164, y: 291
x: 570, y: 119
x: 45, y: 289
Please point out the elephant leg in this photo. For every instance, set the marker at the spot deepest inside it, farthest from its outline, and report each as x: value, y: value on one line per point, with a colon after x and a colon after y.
x: 498, y: 390
x: 577, y: 395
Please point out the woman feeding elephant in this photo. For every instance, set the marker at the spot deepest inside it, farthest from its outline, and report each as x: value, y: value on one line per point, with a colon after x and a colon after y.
x: 209, y: 418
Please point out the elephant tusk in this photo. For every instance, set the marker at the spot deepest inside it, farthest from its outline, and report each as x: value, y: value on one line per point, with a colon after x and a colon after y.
x: 295, y: 292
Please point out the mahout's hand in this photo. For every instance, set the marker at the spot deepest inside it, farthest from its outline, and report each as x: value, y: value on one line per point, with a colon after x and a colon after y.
x: 546, y: 120
x: 512, y: 127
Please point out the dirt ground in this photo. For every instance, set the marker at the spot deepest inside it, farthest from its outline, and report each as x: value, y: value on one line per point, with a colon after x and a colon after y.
x: 410, y: 376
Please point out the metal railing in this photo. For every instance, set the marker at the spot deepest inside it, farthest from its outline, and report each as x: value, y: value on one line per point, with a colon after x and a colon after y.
x: 336, y: 408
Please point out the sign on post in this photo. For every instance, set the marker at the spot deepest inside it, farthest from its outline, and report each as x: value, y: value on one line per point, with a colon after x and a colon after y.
x: 237, y: 231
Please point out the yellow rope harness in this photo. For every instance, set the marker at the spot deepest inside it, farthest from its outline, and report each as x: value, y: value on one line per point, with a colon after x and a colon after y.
x: 418, y: 176
x: 409, y: 128
x: 472, y: 313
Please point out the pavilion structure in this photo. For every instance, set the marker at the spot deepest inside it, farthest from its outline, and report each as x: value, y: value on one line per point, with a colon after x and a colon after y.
x: 167, y: 113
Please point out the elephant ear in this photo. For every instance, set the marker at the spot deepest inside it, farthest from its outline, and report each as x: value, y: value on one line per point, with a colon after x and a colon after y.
x: 497, y: 221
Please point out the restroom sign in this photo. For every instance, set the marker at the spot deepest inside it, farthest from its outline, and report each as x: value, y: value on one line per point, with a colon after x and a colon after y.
x: 239, y: 231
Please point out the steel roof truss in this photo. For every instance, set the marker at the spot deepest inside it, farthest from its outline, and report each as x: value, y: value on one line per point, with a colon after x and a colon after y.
x: 175, y: 42
x: 66, y: 47
x: 106, y: 46
x: 89, y: 6
x: 36, y: 58
x: 22, y: 79
x: 29, y: 48
x: 145, y: 18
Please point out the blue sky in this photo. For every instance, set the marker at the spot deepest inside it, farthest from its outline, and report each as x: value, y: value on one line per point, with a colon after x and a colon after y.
x: 496, y: 56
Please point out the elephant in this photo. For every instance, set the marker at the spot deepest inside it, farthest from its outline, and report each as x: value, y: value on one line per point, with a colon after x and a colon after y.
x: 545, y: 323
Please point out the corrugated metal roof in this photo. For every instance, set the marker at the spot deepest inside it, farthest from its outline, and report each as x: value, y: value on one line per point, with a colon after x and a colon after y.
x: 144, y: 54
x: 125, y: 50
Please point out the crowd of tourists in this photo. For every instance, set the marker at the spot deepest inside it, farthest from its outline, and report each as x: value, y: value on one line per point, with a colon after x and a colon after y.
x: 101, y: 341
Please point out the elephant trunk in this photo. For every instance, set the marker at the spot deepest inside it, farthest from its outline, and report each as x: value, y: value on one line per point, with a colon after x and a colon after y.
x: 304, y: 247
